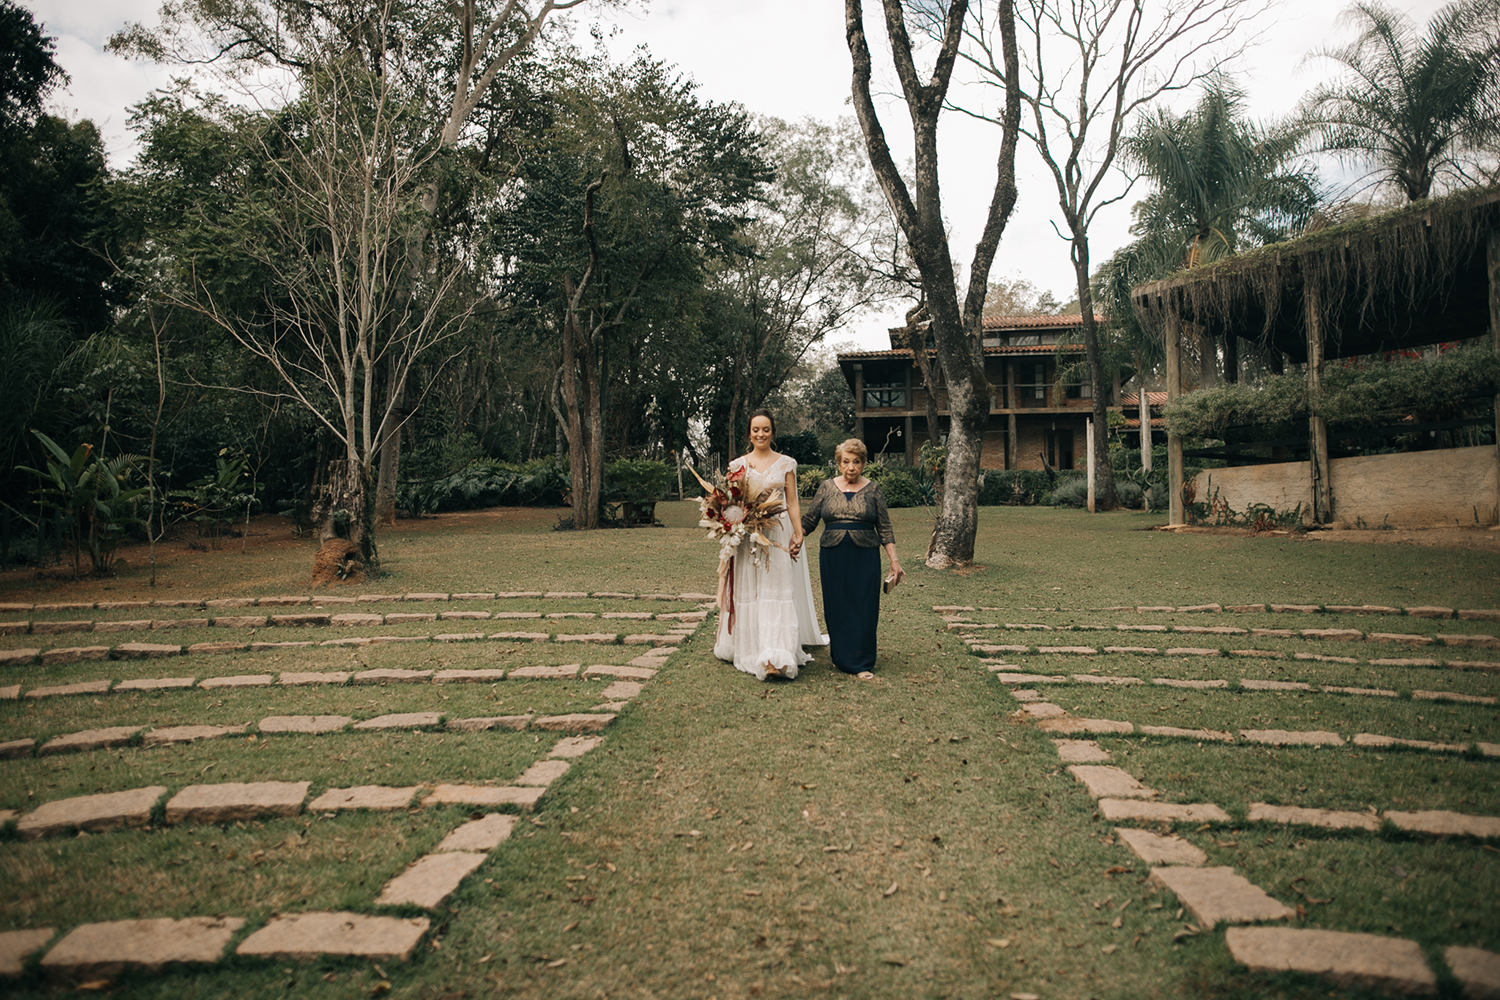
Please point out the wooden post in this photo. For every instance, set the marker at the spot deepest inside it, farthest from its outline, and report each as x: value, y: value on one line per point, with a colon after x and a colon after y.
x: 1494, y: 275
x: 1317, y: 429
x: 1090, y: 425
x: 1012, y: 446
x: 1173, y: 337
x: 911, y: 445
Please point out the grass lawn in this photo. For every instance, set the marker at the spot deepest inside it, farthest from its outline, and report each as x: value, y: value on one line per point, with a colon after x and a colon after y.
x: 910, y: 837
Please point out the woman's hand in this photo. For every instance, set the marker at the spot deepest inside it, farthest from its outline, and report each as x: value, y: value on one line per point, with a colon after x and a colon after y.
x: 896, y: 569
x: 796, y: 547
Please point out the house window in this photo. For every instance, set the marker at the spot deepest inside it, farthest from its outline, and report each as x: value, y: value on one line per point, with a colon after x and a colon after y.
x: 885, y: 391
x: 1083, y: 390
x: 1039, y: 381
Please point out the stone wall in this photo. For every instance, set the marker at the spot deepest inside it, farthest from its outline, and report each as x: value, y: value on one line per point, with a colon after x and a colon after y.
x: 1413, y: 489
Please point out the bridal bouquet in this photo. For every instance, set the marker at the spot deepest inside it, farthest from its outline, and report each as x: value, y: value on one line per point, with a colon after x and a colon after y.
x: 731, y: 514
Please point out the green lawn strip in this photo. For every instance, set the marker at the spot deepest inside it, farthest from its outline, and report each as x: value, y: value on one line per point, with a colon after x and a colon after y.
x: 1313, y: 778
x: 1295, y: 711
x: 47, y: 717
x: 330, y: 760
x: 250, y: 869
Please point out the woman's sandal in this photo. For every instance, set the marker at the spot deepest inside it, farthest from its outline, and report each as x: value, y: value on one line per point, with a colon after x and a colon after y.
x: 865, y: 675
x: 772, y: 671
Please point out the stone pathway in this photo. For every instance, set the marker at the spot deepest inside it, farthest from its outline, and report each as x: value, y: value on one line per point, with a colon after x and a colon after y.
x: 1420, y: 611
x: 94, y: 951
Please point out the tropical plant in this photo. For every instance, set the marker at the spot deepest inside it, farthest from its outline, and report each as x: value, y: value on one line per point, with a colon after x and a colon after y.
x: 638, y: 480
x: 90, y: 497
x: 1420, y: 109
x: 214, y: 501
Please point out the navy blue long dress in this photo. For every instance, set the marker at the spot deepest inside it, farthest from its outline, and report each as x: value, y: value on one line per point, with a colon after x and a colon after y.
x: 855, y: 526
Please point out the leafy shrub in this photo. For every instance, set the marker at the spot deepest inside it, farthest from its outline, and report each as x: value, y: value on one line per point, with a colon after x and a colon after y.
x: 1071, y: 492
x: 488, y: 483
x: 810, y: 477
x: 1130, y: 493
x: 803, y: 446
x: 1013, y: 487
x: 90, y: 497
x: 637, y: 480
x: 901, y: 489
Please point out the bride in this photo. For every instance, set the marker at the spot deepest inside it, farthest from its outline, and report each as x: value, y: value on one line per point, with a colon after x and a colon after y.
x: 772, y: 616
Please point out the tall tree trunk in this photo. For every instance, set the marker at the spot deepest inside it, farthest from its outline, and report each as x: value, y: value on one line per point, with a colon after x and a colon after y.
x: 1143, y: 407
x: 390, y: 456
x: 573, y: 427
x: 1105, y: 497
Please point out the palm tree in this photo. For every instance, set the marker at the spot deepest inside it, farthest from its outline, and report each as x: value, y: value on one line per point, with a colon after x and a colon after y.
x: 1417, y: 108
x: 1222, y: 184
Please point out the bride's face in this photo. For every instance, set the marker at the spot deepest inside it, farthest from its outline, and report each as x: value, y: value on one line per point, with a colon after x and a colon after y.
x: 760, y: 432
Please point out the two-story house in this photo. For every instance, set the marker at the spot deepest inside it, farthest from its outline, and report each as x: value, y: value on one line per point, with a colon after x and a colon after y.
x: 1033, y: 424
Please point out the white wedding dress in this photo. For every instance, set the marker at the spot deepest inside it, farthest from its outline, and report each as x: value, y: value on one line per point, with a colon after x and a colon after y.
x: 773, y: 603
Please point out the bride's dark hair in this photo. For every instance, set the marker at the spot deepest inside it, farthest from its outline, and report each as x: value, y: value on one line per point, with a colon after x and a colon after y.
x: 762, y: 412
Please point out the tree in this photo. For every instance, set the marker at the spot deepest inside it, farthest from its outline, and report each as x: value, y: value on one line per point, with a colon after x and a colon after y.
x: 918, y: 209
x: 634, y: 192
x: 1090, y: 66
x: 1420, y: 110
x: 452, y: 53
x: 1019, y: 297
x: 28, y: 71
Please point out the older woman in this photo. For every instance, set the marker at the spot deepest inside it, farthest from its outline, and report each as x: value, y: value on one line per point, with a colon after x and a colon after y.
x: 855, y: 526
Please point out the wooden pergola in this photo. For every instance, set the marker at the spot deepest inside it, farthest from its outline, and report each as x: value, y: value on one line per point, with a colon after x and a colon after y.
x: 1426, y: 273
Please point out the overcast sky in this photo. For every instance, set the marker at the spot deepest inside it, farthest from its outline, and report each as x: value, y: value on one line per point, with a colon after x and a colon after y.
x: 785, y: 58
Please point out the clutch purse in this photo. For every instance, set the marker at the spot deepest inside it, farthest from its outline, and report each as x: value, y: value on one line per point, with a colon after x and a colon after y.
x: 890, y: 582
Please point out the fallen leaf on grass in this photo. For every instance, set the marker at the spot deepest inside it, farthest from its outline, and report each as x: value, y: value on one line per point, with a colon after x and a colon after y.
x: 998, y: 942
x: 491, y: 955
x: 571, y: 927
x: 1116, y: 870
x: 892, y: 890
x: 893, y: 960
x: 384, y: 986
x: 557, y: 963
x: 1053, y: 863
x: 752, y: 892
x: 1109, y: 949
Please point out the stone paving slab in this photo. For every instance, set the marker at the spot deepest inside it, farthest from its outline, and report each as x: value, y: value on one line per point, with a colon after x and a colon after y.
x: 312, y: 935
x: 230, y: 602
x: 1025, y: 694
x: 991, y: 650
x: 1142, y: 650
x: 378, y: 598
x: 554, y: 673
x: 1324, y: 659
x: 485, y: 795
x: 1251, y: 609
x: 1328, y: 819
x: 1405, y: 638
x: 162, y: 624
x: 1479, y: 615
x: 1366, y: 961
x: 473, y: 597
x: 359, y: 641
x: 543, y: 773
x: 1306, y: 609
x: 217, y: 647
x: 570, y: 747
x: 240, y: 621
x: 521, y: 614
x: 1192, y: 651
x: 1492, y: 667
x: 481, y: 676
x: 1479, y: 641
x: 1429, y: 611
x: 490, y: 722
x: 356, y: 620
x: 571, y: 614
x: 464, y: 615
x: 624, y: 673
x: 89, y: 739
x: 1251, y: 684
x: 1273, y: 633
x: 305, y: 678
x: 380, y: 798
x: 17, y: 748
x: 1072, y: 725
x: 430, y: 880
x: 388, y: 675
x: 303, y: 723
x: 236, y: 681
x: 1217, y: 736
x: 1142, y: 628
x: 1155, y: 849
x: 1070, y: 650
x: 1209, y: 630
x: 402, y: 720
x: 106, y: 949
x: 187, y: 734
x: 137, y: 625
x: 405, y: 617
x: 1473, y: 699
x: 483, y: 834
x: 457, y: 636
x: 1477, y: 970
x: 1043, y: 710
x: 74, y: 654
x: 1218, y: 895
x: 56, y: 628
x: 1285, y: 738
x: 1161, y: 812
x: 1443, y: 822
x: 577, y: 722
x: 1196, y: 685
x: 621, y: 691
x: 235, y: 800
x: 1080, y: 751
x: 1333, y: 634
x: 1375, y: 742
x: 285, y: 601
x: 17, y: 657
x: 1110, y: 782
x: 154, y: 683
x: 522, y: 636
x: 603, y: 638
x: 1360, y: 609
x: 1368, y: 692
x: 1489, y: 749
x: 1097, y: 679
x: 179, y: 602
x: 266, y: 647
x: 106, y: 811
x: 17, y: 946
x: 1012, y: 678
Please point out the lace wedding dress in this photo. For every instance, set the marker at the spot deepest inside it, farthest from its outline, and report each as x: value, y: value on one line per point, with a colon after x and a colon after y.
x: 773, y: 604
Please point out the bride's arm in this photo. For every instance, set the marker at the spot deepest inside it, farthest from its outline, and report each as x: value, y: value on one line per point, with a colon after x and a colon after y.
x: 794, y: 511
